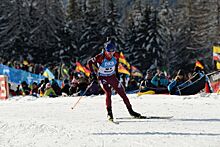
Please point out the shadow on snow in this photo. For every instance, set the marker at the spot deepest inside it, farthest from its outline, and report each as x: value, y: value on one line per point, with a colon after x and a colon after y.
x: 169, y: 120
x: 158, y: 133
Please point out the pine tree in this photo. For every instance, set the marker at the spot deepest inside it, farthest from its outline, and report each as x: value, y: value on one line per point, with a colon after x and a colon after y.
x: 178, y: 54
x: 90, y: 40
x: 198, y: 28
x: 167, y: 31
x: 141, y: 38
x: 73, y: 10
x: 111, y: 27
x: 148, y: 45
x: 74, y: 27
x: 15, y: 27
x: 46, y: 33
x: 130, y: 44
x: 155, y: 43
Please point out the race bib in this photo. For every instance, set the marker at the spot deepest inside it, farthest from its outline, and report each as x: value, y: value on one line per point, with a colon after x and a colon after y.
x: 107, y: 67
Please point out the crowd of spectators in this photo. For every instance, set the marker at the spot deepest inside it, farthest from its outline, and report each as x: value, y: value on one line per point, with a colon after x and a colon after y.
x: 60, y: 72
x: 77, y: 84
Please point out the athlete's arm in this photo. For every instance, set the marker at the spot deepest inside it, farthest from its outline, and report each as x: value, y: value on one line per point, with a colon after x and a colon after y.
x: 94, y: 62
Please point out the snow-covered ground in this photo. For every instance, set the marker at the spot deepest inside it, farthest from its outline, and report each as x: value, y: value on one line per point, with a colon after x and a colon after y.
x: 50, y: 122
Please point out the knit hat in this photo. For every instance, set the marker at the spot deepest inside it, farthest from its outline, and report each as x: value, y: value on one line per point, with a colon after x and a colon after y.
x: 48, y: 85
x: 110, y: 47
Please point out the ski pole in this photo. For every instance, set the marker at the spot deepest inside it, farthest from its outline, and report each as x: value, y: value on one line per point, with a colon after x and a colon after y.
x: 82, y: 95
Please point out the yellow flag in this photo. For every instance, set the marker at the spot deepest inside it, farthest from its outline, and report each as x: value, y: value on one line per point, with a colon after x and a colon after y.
x: 123, y: 70
x: 216, y: 49
x: 218, y: 65
x: 123, y: 60
x: 216, y: 53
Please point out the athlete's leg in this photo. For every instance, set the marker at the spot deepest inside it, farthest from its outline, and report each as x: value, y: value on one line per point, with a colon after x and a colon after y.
x: 107, y: 89
x: 121, y: 91
x: 119, y: 88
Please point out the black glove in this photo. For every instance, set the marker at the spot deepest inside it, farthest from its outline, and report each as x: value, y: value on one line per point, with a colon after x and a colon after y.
x: 93, y: 76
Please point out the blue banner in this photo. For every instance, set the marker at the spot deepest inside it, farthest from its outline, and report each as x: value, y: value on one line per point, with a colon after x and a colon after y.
x: 17, y: 76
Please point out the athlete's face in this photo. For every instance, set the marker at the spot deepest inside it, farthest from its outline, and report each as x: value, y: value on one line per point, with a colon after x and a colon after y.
x: 109, y: 55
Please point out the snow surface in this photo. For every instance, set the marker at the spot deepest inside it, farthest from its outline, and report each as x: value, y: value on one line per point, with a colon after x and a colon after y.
x: 50, y: 122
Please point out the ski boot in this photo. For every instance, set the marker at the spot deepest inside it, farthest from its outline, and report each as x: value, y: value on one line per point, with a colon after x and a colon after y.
x: 110, y: 115
x: 133, y: 113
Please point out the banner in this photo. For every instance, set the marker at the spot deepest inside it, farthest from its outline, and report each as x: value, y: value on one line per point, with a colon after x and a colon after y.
x: 216, y: 56
x: 216, y: 53
x: 4, y: 90
x: 17, y: 76
x: 215, y: 80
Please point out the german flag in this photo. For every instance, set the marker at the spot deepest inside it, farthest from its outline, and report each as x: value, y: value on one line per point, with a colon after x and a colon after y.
x: 122, y: 69
x: 135, y: 72
x: 80, y: 68
x: 198, y: 64
x: 123, y: 60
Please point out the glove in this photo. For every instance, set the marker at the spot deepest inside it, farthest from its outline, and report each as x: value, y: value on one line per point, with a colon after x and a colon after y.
x: 93, y: 76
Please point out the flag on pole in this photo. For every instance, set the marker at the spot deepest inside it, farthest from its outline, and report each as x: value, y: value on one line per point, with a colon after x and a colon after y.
x: 217, y: 65
x: 95, y: 68
x: 216, y: 56
x: 47, y: 73
x: 198, y: 64
x: 80, y: 68
x: 135, y: 72
x: 122, y: 69
x: 216, y: 53
x: 123, y: 60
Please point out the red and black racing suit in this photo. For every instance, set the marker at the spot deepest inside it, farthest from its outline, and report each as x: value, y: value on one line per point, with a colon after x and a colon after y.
x: 109, y: 80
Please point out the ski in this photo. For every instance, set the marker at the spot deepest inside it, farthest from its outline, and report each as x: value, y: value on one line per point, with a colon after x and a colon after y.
x: 113, y: 121
x: 147, y: 117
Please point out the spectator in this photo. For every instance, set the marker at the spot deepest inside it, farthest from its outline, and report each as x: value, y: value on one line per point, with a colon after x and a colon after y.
x: 83, y: 83
x: 160, y: 80
x: 34, y: 89
x: 146, y: 83
x: 42, y: 87
x: 199, y: 70
x: 74, y: 85
x: 56, y: 87
x: 25, y: 90
x: 93, y: 88
x: 132, y: 85
x: 11, y: 91
x: 179, y: 80
x: 18, y: 91
x: 49, y: 91
x: 65, y: 88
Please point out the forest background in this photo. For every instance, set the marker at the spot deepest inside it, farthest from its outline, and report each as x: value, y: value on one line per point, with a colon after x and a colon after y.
x: 167, y: 33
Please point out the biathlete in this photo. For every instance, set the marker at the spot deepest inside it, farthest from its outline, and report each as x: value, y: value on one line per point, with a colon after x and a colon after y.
x: 107, y: 63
